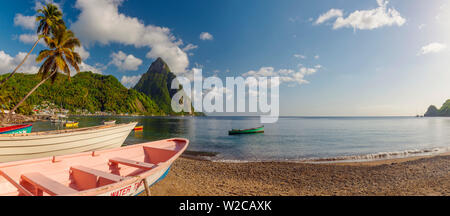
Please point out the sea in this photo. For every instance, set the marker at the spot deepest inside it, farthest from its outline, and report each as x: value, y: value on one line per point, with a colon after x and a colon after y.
x: 292, y: 139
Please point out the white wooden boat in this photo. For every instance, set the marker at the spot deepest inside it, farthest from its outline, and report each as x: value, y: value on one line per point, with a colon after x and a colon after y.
x: 56, y: 120
x: 61, y: 142
x: 124, y: 171
x: 112, y: 122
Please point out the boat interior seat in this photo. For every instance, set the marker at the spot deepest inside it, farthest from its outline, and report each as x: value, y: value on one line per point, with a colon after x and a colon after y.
x: 87, y: 178
x: 41, y: 183
x: 131, y: 163
x: 22, y: 190
x: 158, y: 155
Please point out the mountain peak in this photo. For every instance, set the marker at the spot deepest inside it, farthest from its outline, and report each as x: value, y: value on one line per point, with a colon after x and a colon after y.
x: 157, y: 83
x: 159, y: 66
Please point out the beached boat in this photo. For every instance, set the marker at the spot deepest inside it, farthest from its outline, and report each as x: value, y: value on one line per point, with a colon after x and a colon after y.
x: 71, y: 124
x: 246, y: 131
x: 16, y: 129
x: 113, y: 122
x: 60, y: 142
x: 122, y: 171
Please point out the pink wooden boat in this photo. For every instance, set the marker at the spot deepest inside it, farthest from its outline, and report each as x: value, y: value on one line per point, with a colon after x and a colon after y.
x: 124, y: 171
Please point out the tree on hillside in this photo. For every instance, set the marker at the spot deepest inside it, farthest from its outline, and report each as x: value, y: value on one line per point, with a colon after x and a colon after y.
x: 57, y: 58
x: 50, y: 19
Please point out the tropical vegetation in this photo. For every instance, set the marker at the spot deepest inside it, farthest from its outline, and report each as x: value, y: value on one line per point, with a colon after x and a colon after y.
x: 433, y: 111
x: 50, y: 19
x: 61, y: 53
x: 85, y: 91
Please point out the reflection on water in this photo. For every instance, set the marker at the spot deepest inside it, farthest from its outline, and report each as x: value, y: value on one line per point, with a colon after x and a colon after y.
x: 293, y: 138
x: 139, y: 134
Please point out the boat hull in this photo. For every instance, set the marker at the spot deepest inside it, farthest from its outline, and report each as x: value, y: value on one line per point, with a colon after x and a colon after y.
x: 71, y: 125
x: 21, y: 129
x: 247, y: 131
x: 38, y: 145
x: 137, y: 187
x: 109, y: 122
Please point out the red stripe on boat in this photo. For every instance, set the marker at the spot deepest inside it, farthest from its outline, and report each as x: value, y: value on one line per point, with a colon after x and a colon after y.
x: 15, y: 127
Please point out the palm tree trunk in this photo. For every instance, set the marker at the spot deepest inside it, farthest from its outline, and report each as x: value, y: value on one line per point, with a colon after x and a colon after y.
x: 28, y: 95
x: 21, y: 63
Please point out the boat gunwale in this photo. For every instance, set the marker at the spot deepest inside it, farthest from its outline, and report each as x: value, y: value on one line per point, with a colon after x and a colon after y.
x: 43, y: 152
x: 66, y: 131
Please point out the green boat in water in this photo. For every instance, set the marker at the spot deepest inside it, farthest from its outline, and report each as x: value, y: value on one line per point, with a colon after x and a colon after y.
x: 246, y: 131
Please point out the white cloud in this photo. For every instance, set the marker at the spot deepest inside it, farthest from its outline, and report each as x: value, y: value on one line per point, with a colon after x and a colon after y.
x: 84, y: 54
x: 85, y: 67
x: 365, y: 19
x: 125, y: 62
x: 432, y: 48
x: 206, y: 36
x: 130, y: 81
x: 329, y: 15
x: 26, y: 22
x: 100, y: 21
x: 9, y: 63
x: 190, y: 47
x: 299, y: 56
x: 41, y: 3
x: 316, y: 57
x: 285, y: 75
x: 29, y: 38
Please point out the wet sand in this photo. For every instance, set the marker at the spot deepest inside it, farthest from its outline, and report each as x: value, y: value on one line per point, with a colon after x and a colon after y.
x: 407, y: 176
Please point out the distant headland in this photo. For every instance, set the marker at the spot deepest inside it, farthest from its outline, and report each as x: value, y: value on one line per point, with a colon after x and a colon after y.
x: 433, y: 111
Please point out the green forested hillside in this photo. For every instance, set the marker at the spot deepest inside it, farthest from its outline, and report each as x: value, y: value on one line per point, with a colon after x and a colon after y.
x: 156, y: 83
x: 86, y: 90
x: 443, y: 111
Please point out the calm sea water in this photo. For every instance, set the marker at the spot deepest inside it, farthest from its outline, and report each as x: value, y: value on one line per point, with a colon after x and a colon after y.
x: 293, y: 138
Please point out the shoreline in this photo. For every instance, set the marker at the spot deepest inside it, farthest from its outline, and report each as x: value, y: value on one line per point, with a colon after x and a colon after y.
x: 417, y: 176
x: 379, y: 158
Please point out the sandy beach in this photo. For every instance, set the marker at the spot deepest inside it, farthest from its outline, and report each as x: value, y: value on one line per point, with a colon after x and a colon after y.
x: 408, y: 176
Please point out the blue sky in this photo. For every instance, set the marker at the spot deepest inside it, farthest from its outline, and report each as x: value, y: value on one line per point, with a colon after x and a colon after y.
x: 342, y: 57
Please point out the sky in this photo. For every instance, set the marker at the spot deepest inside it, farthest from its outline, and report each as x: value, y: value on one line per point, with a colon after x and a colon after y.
x: 334, y: 57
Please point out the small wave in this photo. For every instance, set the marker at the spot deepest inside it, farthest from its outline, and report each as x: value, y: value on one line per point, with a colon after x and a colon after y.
x: 350, y: 158
x: 382, y: 155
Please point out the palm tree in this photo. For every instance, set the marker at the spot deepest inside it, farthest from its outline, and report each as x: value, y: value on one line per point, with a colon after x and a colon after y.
x: 5, y: 98
x: 57, y: 59
x: 50, y: 19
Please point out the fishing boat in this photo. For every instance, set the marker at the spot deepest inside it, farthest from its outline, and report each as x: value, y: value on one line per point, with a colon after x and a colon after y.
x: 16, y: 129
x: 60, y: 118
x: 55, y: 120
x: 15, y: 147
x: 71, y: 124
x: 139, y: 128
x: 113, y: 122
x: 246, y: 131
x: 124, y: 171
